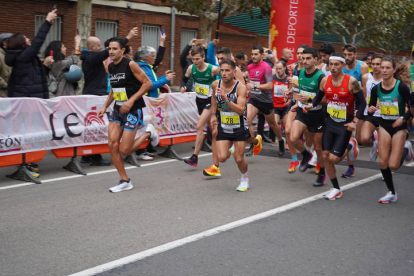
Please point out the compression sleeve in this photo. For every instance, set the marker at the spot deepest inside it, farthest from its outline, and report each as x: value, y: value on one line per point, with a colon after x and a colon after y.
x: 318, y: 98
x: 374, y: 98
x: 184, y: 81
x: 405, y: 94
x: 361, y: 104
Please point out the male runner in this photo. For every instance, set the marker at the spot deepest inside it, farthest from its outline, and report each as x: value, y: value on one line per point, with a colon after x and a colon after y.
x: 260, y: 86
x: 228, y: 106
x: 314, y: 121
x: 203, y: 75
x: 357, y: 69
x: 342, y: 93
x: 366, y: 133
x: 325, y: 51
x: 129, y: 83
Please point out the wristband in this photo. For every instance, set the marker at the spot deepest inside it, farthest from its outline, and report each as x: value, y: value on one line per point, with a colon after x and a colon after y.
x: 402, y: 118
x: 226, y: 101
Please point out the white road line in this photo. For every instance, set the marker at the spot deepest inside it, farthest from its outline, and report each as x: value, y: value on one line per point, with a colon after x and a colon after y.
x: 92, y: 173
x: 214, y: 231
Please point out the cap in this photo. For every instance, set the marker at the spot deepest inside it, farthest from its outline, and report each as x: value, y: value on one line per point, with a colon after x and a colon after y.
x: 4, y: 36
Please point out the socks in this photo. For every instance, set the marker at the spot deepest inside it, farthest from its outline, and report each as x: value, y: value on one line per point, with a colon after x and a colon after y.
x: 217, y: 165
x: 322, y: 171
x: 294, y: 158
x: 244, y: 175
x: 351, y: 166
x: 388, y: 179
x: 335, y: 183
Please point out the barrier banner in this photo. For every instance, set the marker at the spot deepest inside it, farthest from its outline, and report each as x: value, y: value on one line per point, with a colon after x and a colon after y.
x: 291, y: 24
x: 32, y: 124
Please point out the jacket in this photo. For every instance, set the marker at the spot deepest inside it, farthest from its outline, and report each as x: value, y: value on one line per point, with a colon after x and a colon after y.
x: 58, y: 68
x: 5, y: 72
x: 157, y: 83
x: 28, y: 77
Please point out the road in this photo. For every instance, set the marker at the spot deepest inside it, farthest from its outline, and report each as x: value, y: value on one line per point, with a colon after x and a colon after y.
x: 177, y: 222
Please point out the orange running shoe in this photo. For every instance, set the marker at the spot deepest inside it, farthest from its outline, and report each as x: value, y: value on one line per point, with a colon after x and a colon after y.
x: 293, y: 166
x: 317, y: 168
x: 212, y: 171
x: 258, y: 147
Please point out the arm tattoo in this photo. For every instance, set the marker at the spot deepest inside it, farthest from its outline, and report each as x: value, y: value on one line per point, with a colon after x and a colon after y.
x: 356, y: 86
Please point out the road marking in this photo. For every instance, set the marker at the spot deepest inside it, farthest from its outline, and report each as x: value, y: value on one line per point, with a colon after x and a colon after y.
x: 177, y: 243
x: 92, y: 173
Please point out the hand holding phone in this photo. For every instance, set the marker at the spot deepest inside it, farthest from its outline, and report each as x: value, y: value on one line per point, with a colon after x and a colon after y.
x: 162, y: 31
x: 51, y: 54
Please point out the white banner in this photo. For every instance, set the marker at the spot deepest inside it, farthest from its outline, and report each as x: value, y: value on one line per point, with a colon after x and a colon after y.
x: 32, y: 124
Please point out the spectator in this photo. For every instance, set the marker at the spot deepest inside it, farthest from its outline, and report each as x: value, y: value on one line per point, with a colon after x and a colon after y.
x: 96, y: 82
x: 28, y: 77
x: 5, y: 70
x: 185, y: 61
x: 286, y: 56
x: 62, y: 65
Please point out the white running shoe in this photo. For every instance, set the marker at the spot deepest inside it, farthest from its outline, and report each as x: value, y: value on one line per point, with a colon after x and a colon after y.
x: 231, y: 149
x: 145, y: 157
x: 314, y: 159
x: 389, y: 197
x: 244, y: 185
x: 122, y: 186
x: 409, y: 146
x: 373, y: 153
x: 334, y: 194
x: 154, y: 137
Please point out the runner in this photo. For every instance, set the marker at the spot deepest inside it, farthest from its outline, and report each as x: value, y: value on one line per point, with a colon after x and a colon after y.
x: 393, y: 97
x: 129, y: 83
x: 260, y: 86
x: 357, y: 69
x: 366, y: 133
x: 342, y: 92
x: 229, y: 115
x: 314, y: 121
x: 325, y: 51
x: 203, y: 75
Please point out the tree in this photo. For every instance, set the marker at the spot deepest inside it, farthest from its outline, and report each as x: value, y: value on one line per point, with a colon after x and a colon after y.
x: 207, y: 11
x: 360, y: 22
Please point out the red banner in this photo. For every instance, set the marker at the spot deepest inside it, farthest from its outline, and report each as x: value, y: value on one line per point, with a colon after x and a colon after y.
x: 291, y: 24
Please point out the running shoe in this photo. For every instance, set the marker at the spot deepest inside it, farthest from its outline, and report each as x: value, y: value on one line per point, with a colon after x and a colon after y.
x: 192, y: 161
x: 282, y: 148
x: 314, y: 160
x: 373, y: 153
x: 145, y: 157
x: 273, y: 143
x: 258, y: 147
x: 33, y: 167
x: 122, y: 186
x: 293, y: 166
x: 353, y: 153
x: 349, y: 173
x: 317, y: 168
x: 389, y: 197
x: 320, y: 181
x: 154, y: 136
x: 334, y: 194
x: 212, y: 171
x: 249, y: 151
x: 408, y: 146
x: 231, y: 149
x: 98, y: 161
x: 34, y: 174
x: 244, y: 185
x: 304, y: 163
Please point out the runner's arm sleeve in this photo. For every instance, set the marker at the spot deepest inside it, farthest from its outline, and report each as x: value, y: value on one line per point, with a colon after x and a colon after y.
x: 361, y: 104
x: 373, y: 99
x: 318, y: 98
x: 184, y: 81
x: 405, y: 93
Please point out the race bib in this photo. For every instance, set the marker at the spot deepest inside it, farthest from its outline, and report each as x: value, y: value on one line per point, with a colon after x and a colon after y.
x: 120, y: 94
x: 295, y: 84
x: 278, y: 90
x: 337, y: 112
x: 389, y: 110
x: 255, y: 91
x: 307, y: 94
x: 229, y: 120
x: 202, y: 90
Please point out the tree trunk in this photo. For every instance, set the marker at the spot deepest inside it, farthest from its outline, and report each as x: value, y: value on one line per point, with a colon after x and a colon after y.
x: 206, y: 27
x: 84, y: 20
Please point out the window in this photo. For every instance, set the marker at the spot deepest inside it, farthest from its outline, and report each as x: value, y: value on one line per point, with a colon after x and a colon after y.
x: 151, y: 36
x: 106, y: 30
x: 54, y: 32
x: 186, y: 36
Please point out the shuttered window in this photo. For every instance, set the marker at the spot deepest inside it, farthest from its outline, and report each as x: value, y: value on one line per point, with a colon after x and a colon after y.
x: 106, y: 30
x: 186, y: 36
x: 55, y: 31
x: 151, y: 36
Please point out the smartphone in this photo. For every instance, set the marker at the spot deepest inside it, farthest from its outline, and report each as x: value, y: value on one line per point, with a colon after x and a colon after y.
x: 54, y: 6
x: 135, y: 25
x: 51, y: 54
x: 162, y: 31
x: 77, y: 31
x: 200, y: 41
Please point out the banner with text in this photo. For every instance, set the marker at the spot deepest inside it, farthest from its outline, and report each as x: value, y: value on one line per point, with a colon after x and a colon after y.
x: 291, y: 24
x: 32, y: 124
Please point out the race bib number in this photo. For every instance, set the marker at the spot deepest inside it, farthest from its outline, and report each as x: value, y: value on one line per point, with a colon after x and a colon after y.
x: 120, y: 94
x: 202, y: 90
x: 229, y: 120
x: 307, y: 94
x: 278, y: 90
x: 255, y: 91
x: 389, y: 110
x: 337, y: 112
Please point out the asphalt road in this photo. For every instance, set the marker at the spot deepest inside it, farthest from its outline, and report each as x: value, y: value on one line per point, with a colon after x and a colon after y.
x: 72, y: 223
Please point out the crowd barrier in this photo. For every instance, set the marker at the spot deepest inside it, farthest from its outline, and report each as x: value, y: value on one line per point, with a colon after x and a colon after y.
x: 69, y: 127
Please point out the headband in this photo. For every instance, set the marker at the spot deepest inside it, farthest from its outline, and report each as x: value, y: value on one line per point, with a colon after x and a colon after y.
x: 337, y: 58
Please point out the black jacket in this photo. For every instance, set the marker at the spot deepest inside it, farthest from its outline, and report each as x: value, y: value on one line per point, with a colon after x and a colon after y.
x: 28, y: 77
